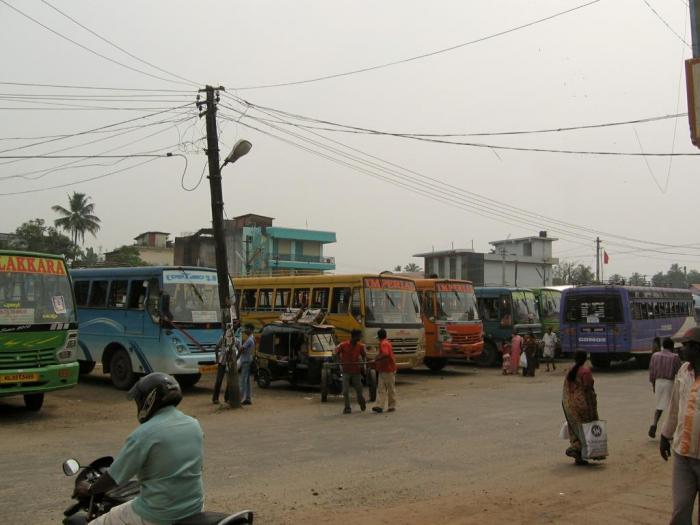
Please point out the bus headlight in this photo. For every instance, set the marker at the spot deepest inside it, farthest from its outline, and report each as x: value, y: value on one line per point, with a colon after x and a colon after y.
x: 180, y: 347
x: 69, y: 350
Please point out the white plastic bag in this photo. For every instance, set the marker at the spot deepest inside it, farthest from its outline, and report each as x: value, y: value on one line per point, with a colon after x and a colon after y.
x: 564, y: 432
x: 523, y: 360
x: 595, y: 442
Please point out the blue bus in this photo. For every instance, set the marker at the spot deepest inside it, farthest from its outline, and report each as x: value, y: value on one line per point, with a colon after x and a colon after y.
x: 615, y: 323
x: 134, y: 321
x: 502, y: 310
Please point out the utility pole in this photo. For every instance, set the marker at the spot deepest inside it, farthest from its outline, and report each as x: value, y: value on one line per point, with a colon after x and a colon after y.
x: 503, y: 266
x: 695, y: 26
x: 217, y: 217
x: 597, y: 259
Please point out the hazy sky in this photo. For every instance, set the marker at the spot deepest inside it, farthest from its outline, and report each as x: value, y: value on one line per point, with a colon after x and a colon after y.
x: 611, y: 61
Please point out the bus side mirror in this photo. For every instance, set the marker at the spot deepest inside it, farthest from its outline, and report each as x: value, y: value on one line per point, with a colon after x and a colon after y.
x: 431, y: 319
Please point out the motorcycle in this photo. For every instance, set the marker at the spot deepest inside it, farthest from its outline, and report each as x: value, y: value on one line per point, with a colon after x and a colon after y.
x: 88, y: 508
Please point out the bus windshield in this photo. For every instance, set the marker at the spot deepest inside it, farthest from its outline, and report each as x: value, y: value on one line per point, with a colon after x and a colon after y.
x: 594, y: 308
x: 524, y: 308
x: 391, y: 302
x: 456, y: 306
x: 34, y: 290
x: 194, y: 296
x: 549, y: 304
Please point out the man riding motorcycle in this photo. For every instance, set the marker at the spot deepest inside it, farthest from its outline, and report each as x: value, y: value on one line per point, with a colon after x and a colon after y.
x: 164, y: 453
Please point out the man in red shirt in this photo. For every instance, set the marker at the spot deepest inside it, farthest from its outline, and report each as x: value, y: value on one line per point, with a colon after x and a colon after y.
x: 385, y: 365
x: 352, y: 356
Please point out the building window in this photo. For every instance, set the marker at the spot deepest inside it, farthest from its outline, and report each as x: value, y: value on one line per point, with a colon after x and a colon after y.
x: 453, y: 267
x: 441, y: 268
x: 527, y: 249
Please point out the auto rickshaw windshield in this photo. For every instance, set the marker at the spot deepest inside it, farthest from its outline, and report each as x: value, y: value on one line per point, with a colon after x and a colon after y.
x: 323, y: 343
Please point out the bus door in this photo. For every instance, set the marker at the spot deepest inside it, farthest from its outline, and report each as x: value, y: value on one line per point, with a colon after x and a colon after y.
x: 136, y: 307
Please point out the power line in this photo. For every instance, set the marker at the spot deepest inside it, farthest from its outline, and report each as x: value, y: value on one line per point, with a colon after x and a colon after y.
x: 118, y: 47
x: 87, y: 48
x: 424, y: 55
x: 106, y: 88
x: 668, y: 26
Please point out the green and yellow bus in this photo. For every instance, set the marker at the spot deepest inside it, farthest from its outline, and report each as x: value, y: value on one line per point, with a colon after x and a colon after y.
x: 38, y: 326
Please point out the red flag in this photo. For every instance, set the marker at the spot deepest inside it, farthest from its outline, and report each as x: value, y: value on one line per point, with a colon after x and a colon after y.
x: 606, y: 259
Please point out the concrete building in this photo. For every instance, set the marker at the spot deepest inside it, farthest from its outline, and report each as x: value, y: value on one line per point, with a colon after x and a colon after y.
x: 525, y: 262
x: 155, y: 248
x: 256, y: 247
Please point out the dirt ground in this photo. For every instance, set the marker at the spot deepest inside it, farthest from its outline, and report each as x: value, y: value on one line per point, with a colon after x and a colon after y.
x: 465, y: 446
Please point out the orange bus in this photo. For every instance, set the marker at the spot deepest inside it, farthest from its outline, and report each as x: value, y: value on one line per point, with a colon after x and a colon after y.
x: 453, y: 329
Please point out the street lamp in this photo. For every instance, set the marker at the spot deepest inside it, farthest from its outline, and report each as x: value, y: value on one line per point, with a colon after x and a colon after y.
x: 240, y: 148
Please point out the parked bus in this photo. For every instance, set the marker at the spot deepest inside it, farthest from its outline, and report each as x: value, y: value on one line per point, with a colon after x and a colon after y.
x: 619, y: 322
x: 365, y: 302
x: 453, y: 329
x: 502, y: 310
x: 134, y: 321
x: 548, y: 305
x: 38, y: 326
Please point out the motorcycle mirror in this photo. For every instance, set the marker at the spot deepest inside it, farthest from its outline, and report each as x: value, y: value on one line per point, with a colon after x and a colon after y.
x: 71, y: 467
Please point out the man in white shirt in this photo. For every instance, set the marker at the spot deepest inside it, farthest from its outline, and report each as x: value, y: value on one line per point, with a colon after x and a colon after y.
x: 549, y: 339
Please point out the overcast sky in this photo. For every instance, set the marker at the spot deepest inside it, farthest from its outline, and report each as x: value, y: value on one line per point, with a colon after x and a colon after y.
x: 611, y: 61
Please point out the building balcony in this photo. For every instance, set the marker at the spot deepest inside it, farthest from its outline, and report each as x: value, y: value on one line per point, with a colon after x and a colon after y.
x: 297, y: 261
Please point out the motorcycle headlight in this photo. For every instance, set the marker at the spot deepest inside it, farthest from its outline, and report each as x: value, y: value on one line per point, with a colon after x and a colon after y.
x: 69, y: 350
x: 180, y: 347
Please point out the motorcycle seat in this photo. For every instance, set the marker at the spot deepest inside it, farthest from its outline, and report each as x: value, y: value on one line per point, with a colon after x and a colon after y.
x: 203, y: 518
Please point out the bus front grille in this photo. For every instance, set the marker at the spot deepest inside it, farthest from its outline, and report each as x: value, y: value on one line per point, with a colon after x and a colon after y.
x: 198, y: 349
x: 465, y: 339
x: 11, y: 359
x: 407, y: 345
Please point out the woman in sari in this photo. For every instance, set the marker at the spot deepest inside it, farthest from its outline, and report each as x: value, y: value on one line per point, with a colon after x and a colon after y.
x: 579, y: 402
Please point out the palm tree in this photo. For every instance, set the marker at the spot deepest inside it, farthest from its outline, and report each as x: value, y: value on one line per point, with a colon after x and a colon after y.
x: 78, y: 218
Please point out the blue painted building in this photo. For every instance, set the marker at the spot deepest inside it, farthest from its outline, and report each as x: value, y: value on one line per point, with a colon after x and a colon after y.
x: 256, y: 247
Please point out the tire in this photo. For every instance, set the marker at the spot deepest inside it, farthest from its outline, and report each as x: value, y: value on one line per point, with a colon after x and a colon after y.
x: 489, y: 355
x: 600, y: 361
x: 263, y: 378
x: 325, y: 373
x: 188, y: 380
x: 436, y: 364
x: 33, y: 402
x: 121, y: 373
x: 86, y: 367
x: 642, y: 361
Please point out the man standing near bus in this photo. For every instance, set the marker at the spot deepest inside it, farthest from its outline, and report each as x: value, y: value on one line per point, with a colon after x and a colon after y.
x: 385, y: 365
x: 663, y: 368
x: 352, y: 356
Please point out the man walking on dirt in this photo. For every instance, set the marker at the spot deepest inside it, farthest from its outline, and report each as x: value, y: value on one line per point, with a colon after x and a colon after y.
x: 663, y: 368
x: 352, y: 356
x: 385, y: 364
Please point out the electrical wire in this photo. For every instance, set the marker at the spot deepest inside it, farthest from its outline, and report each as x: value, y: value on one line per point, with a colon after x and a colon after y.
x: 201, y: 178
x: 86, y: 48
x: 105, y: 88
x: 668, y: 26
x: 118, y: 47
x: 419, y: 57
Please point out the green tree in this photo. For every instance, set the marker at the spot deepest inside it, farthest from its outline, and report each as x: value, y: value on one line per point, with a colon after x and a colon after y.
x: 693, y: 277
x: 126, y: 256
x: 616, y: 278
x: 582, y: 274
x: 412, y: 267
x: 35, y: 236
x: 571, y: 273
x: 675, y: 277
x: 637, y: 279
x: 78, y: 218
x: 397, y: 268
x: 89, y: 258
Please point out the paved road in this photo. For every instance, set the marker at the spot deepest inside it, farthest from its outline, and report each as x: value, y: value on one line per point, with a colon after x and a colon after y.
x: 464, y: 446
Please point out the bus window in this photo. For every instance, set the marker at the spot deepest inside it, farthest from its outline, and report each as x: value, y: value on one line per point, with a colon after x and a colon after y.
x: 355, y: 306
x: 137, y: 295
x: 117, y: 294
x: 340, y: 300
x: 427, y: 303
x: 153, y: 298
x: 282, y: 299
x: 506, y: 311
x: 81, y: 289
x: 98, y: 294
x: 488, y: 308
x: 300, y: 298
x: 248, y: 300
x: 595, y: 308
x: 265, y: 299
x: 320, y: 298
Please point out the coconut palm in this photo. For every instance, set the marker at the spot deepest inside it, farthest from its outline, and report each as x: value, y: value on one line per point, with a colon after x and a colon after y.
x: 78, y: 218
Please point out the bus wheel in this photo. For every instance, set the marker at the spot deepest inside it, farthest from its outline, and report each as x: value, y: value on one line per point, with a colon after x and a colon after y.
x: 33, y: 402
x: 325, y: 373
x: 263, y: 378
x: 188, y: 380
x: 121, y: 373
x: 600, y: 361
x: 642, y: 361
x: 489, y: 355
x: 86, y: 367
x: 436, y: 363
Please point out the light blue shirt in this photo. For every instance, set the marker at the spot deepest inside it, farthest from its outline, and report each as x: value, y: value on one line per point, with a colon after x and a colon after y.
x: 247, y: 349
x: 165, y: 455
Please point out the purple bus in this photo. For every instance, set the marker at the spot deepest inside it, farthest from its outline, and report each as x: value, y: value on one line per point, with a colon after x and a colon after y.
x: 614, y: 323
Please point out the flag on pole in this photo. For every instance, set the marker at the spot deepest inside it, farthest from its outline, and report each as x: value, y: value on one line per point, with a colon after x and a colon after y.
x: 606, y: 259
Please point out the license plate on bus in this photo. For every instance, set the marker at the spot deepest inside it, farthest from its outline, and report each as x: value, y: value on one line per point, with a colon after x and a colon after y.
x: 19, y: 378
x: 208, y: 369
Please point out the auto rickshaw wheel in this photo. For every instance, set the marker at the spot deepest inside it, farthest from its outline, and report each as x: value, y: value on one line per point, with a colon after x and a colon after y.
x: 263, y: 378
x: 325, y: 373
